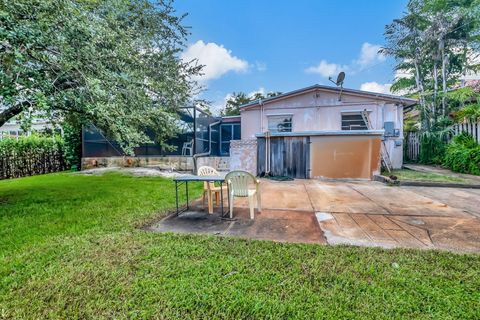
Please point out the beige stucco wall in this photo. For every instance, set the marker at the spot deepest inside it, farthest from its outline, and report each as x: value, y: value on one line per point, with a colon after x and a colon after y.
x: 321, y: 111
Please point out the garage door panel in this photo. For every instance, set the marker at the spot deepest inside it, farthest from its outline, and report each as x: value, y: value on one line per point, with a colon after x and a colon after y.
x: 344, y: 156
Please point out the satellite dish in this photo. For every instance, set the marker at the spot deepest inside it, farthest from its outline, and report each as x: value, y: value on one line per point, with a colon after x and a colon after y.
x: 340, y: 79
x: 339, y: 83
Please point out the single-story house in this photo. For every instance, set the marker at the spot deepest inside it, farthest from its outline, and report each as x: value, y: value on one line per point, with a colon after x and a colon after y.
x: 321, y: 131
x: 317, y: 131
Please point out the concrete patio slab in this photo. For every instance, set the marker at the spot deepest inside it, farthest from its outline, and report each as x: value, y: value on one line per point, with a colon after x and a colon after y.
x: 467, y: 199
x: 361, y: 213
x: 286, y: 195
x: 276, y: 225
x: 402, y: 201
x: 458, y: 234
x: 407, y: 218
x: 339, y: 197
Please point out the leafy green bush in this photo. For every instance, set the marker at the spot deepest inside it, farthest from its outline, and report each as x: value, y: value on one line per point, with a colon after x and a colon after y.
x: 432, y: 148
x: 433, y: 142
x: 463, y: 155
x: 31, y: 144
x: 470, y: 112
x: 72, y: 135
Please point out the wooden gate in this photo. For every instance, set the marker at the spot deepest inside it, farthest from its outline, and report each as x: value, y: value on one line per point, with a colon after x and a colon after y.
x: 411, y: 146
x: 289, y: 156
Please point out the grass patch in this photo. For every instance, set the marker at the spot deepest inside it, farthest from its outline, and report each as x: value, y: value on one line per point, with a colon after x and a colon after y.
x: 411, y: 175
x: 69, y: 248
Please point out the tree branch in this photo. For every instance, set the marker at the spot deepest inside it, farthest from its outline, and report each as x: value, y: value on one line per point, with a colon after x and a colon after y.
x: 11, y: 112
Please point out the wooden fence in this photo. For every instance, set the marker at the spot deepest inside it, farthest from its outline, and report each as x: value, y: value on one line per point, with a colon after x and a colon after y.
x: 16, y: 166
x: 471, y: 128
x: 412, y: 146
x: 412, y: 139
x: 289, y: 157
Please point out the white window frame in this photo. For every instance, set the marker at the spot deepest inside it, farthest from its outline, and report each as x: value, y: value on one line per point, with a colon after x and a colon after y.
x: 350, y: 113
x: 279, y: 115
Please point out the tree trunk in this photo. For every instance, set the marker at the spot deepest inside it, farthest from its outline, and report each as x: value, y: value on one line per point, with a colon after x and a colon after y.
x: 419, y: 83
x: 11, y: 112
x: 444, y: 74
x: 435, y: 88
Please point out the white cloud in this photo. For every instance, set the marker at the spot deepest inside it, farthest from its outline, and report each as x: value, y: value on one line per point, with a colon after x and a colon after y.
x: 216, y: 58
x: 369, y: 55
x: 376, y: 87
x: 326, y: 69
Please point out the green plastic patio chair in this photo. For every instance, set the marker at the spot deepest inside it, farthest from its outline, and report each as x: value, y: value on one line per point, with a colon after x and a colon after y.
x: 238, y: 184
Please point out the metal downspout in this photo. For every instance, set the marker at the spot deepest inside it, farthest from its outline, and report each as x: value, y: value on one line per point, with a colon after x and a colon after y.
x: 267, y: 153
x: 267, y: 138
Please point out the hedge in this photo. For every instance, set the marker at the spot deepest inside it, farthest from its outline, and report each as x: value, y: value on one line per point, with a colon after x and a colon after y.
x: 463, y: 155
x: 31, y: 155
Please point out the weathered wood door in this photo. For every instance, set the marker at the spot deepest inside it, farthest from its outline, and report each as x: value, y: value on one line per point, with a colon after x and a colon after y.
x: 289, y: 156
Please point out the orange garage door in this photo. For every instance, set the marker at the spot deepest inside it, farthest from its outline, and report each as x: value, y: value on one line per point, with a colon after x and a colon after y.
x: 352, y: 156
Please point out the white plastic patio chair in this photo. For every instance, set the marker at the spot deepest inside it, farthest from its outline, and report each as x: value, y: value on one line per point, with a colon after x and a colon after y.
x: 187, y: 146
x: 209, y: 188
x: 238, y: 184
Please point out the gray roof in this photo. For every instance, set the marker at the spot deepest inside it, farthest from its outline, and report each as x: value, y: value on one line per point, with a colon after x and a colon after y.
x: 405, y: 101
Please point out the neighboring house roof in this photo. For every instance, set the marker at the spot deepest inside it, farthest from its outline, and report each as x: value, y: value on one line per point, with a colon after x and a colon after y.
x: 383, y: 96
x: 227, y: 119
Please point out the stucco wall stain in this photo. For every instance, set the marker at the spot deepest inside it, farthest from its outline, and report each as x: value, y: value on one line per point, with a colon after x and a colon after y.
x: 243, y: 155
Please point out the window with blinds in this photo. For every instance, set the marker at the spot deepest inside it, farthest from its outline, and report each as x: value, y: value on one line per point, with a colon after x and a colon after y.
x: 353, y: 121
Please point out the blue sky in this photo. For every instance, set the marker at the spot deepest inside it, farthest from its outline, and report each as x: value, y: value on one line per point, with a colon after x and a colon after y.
x: 286, y: 45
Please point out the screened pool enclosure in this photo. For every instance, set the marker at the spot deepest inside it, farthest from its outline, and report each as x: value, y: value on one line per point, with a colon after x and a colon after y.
x: 199, y: 133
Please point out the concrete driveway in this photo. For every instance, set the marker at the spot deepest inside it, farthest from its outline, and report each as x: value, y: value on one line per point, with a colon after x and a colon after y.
x: 369, y: 213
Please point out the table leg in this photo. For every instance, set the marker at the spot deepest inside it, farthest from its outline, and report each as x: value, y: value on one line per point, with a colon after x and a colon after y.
x: 221, y: 198
x: 210, y: 200
x: 176, y: 195
x: 228, y: 198
x: 186, y: 192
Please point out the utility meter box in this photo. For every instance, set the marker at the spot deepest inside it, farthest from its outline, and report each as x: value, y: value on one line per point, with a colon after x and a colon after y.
x: 389, y: 127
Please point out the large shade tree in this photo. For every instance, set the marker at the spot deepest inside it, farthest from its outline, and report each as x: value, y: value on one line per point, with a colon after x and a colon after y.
x: 113, y: 63
x: 237, y: 99
x: 435, y: 43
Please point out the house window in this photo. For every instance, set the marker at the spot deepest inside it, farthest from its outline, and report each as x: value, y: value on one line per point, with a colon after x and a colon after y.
x: 228, y: 131
x: 353, y: 121
x: 280, y: 123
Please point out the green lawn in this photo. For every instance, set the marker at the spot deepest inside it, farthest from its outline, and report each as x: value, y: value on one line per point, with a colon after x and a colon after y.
x: 70, y: 247
x: 411, y: 175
